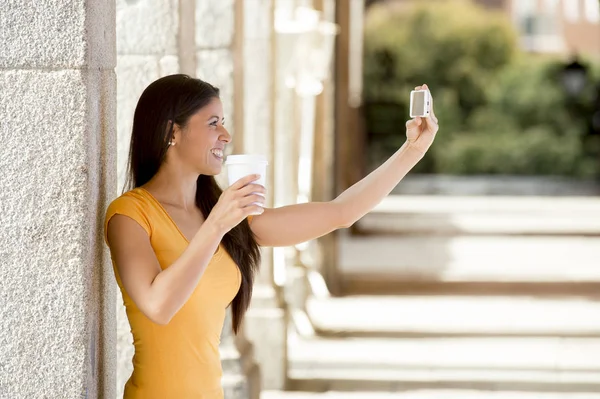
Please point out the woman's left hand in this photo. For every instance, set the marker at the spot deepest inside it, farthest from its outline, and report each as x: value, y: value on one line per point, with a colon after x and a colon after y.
x: 420, y: 132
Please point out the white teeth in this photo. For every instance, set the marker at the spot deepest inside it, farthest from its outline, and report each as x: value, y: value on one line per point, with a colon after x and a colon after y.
x: 218, y: 153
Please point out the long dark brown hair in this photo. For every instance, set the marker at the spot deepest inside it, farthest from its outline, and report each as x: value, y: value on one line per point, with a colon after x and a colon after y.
x: 173, y: 100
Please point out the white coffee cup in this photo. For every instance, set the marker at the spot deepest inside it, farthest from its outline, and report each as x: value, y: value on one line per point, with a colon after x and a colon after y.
x: 239, y: 166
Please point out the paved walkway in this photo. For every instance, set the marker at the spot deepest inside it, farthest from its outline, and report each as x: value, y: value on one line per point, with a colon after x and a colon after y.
x: 455, y: 315
x: 461, y: 346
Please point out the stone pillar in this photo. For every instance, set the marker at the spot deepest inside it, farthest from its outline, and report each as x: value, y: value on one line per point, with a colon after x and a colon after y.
x: 323, y: 174
x: 57, y: 170
x: 215, y: 23
x: 304, y: 147
x: 286, y: 140
x: 147, y: 49
x: 265, y: 323
x: 219, y: 60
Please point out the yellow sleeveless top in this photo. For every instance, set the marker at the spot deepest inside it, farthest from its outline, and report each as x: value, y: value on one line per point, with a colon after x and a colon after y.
x: 180, y: 359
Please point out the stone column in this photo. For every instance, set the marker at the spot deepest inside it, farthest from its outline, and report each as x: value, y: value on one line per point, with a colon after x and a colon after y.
x: 57, y: 170
x: 286, y: 141
x: 324, y: 172
x: 219, y: 60
x: 265, y: 323
x: 304, y: 146
x: 147, y: 49
x: 215, y: 24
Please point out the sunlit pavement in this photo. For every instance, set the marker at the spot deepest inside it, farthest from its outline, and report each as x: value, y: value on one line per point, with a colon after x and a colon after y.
x: 462, y: 345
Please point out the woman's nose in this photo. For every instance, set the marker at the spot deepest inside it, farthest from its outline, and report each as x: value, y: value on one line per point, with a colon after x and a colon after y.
x: 225, y: 136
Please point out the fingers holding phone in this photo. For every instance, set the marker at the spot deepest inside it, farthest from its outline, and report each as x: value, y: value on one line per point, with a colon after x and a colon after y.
x: 422, y: 128
x: 421, y: 103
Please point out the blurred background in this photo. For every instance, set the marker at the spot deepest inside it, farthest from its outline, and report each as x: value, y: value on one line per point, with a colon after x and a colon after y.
x: 477, y: 278
x: 517, y: 84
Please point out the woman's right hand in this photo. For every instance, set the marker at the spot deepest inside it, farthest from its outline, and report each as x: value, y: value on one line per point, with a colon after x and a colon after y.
x: 236, y: 203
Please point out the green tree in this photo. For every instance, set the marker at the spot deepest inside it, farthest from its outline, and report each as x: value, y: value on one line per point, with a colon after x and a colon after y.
x: 500, y: 111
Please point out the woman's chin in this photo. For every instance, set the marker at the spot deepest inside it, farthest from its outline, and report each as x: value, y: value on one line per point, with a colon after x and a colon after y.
x: 213, y: 167
x: 212, y: 170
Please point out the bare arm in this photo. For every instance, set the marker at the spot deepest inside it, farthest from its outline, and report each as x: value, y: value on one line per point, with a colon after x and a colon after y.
x: 159, y: 294
x: 294, y: 224
x: 363, y: 196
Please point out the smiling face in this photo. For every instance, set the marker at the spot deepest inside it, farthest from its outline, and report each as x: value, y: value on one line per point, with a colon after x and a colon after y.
x: 200, y: 144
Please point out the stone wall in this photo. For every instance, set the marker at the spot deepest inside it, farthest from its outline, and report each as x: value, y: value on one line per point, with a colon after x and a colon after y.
x: 57, y: 101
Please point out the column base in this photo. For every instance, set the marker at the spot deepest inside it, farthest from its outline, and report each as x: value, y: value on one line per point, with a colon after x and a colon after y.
x: 266, y: 327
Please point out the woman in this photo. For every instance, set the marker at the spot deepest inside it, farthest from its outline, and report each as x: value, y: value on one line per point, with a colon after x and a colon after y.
x: 183, y: 250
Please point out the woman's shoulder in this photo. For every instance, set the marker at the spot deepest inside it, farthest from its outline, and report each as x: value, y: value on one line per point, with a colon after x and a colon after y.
x: 134, y: 204
x: 134, y: 198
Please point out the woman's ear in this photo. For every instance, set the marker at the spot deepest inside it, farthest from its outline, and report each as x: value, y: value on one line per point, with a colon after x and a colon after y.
x: 176, y: 132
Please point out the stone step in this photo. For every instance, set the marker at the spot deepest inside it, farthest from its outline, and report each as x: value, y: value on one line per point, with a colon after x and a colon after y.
x: 405, y: 316
x: 503, y: 364
x: 450, y: 215
x: 470, y: 258
x: 427, y: 394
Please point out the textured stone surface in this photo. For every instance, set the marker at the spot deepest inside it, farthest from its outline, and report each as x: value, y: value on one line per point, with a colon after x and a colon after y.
x: 57, y: 34
x: 106, y: 151
x: 125, y: 349
x: 147, y: 27
x: 258, y: 19
x: 134, y: 74
x: 55, y: 173
x: 216, y: 67
x: 215, y: 21
x: 169, y: 65
x: 265, y: 327
x: 258, y: 89
x: 234, y: 386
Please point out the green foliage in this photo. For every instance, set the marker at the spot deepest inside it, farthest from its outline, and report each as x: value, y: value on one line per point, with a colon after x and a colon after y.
x: 500, y: 111
x: 536, y: 151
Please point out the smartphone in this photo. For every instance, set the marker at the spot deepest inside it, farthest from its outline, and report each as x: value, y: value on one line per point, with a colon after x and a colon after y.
x: 420, y: 103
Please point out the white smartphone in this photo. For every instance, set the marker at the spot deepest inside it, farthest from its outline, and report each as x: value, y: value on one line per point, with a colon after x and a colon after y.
x: 420, y: 103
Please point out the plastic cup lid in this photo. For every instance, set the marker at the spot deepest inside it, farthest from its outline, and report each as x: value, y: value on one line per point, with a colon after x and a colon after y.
x: 245, y: 158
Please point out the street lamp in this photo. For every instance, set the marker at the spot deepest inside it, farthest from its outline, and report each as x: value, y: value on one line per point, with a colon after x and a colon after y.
x: 574, y: 78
